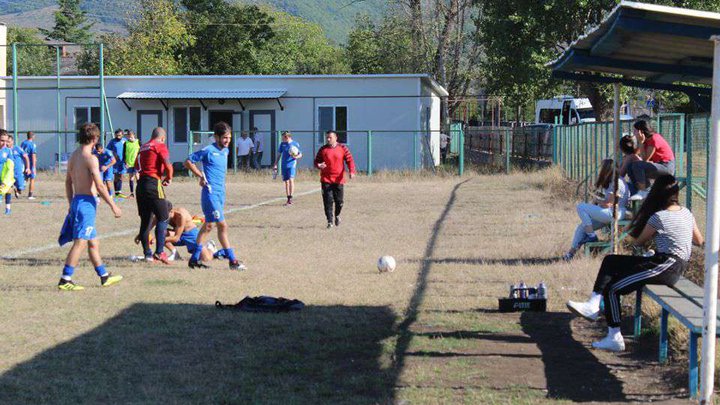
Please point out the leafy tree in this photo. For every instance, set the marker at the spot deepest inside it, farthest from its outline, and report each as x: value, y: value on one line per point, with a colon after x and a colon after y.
x: 228, y: 37
x: 71, y: 23
x: 156, y: 43
x: 299, y: 47
x: 383, y: 48
x: 33, y: 60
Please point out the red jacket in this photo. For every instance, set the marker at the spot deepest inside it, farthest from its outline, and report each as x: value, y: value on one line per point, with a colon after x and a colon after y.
x: 154, y: 161
x: 335, y: 159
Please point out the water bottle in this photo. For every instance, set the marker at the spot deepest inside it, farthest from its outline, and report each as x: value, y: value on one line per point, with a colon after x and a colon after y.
x: 523, y: 290
x: 542, y: 291
x: 275, y: 173
x: 512, y: 290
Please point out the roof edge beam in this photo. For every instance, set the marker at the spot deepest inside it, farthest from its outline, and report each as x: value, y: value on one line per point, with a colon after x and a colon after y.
x: 202, y: 104
x: 126, y: 104
x: 643, y: 84
x: 241, y: 104
x: 282, y: 108
x: 582, y: 58
x: 164, y: 104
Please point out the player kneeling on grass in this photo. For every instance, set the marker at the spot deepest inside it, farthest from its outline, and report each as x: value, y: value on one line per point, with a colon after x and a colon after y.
x: 7, y: 170
x: 214, y: 160
x: 673, y: 229
x: 106, y: 160
x: 288, y: 155
x: 182, y: 231
x: 82, y: 183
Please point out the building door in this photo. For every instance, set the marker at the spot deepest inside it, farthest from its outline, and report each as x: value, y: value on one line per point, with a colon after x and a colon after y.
x: 264, y: 121
x: 147, y: 120
x: 225, y: 116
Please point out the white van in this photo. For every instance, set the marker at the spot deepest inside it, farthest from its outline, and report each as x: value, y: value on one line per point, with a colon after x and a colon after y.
x: 566, y: 109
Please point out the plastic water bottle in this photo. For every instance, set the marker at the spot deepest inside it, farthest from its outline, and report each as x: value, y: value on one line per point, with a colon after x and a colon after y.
x: 542, y: 291
x: 512, y: 290
x: 274, y: 174
x: 523, y: 290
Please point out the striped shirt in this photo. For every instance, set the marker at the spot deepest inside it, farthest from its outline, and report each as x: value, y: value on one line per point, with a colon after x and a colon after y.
x: 674, y: 232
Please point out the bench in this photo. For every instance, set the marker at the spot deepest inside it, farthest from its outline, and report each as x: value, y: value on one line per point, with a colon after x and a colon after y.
x: 685, y: 302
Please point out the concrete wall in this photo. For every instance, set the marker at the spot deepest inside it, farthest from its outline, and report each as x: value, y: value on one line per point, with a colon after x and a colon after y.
x: 397, y: 122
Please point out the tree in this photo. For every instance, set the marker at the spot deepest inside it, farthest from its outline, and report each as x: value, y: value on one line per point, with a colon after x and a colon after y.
x: 298, y: 47
x: 156, y: 44
x: 33, y: 60
x: 71, y: 23
x: 383, y: 48
x: 228, y: 37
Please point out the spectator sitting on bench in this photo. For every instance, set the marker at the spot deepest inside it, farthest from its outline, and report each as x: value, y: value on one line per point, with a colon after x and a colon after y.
x: 673, y: 229
x: 595, y: 216
x: 631, y: 154
x: 657, y: 159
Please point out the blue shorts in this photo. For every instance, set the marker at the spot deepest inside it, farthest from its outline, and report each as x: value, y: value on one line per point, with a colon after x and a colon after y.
x: 131, y: 171
x: 107, y: 175
x: 83, y: 211
x: 213, y: 205
x: 288, y: 173
x: 31, y: 175
x: 119, y: 168
x: 189, y: 240
x: 19, y: 181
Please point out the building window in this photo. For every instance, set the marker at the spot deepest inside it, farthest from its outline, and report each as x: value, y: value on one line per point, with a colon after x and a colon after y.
x: 83, y: 115
x: 185, y: 119
x: 333, y: 118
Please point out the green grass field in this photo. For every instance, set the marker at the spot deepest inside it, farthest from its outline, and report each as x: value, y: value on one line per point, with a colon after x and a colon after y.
x: 428, y: 333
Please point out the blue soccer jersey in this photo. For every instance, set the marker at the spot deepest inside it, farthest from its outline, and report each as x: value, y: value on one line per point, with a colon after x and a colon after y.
x: 5, y: 154
x: 214, y: 165
x: 18, y: 155
x: 286, y: 159
x: 104, y: 158
x: 30, y: 148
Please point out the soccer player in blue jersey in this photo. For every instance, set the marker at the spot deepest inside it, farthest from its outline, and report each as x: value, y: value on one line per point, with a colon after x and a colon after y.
x: 214, y: 160
x: 7, y: 170
x: 20, y: 162
x: 116, y: 146
x: 107, y: 162
x: 30, y: 149
x: 288, y: 155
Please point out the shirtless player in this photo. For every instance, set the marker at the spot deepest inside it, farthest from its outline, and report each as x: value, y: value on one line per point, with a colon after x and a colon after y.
x: 82, y: 183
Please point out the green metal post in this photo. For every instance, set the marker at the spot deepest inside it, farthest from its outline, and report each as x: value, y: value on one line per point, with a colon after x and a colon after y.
x: 689, y: 171
x: 508, y: 150
x: 102, y: 94
x: 107, y: 113
x: 586, y: 147
x: 461, y: 152
x: 191, y: 140
x: 607, y: 139
x: 233, y: 152
x: 369, y: 154
x: 58, y: 121
x: 681, y: 141
x: 15, y: 92
x: 596, y: 155
x: 415, y: 151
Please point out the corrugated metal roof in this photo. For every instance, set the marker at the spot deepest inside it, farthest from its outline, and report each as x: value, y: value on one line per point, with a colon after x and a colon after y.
x: 660, y: 43
x: 211, y: 94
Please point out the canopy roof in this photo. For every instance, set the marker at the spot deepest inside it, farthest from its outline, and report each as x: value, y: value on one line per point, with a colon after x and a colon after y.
x: 247, y: 94
x: 659, y: 44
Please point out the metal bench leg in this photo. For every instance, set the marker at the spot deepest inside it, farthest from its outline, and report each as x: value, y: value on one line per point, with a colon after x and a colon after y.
x: 638, y: 314
x: 663, y: 336
x: 693, y: 369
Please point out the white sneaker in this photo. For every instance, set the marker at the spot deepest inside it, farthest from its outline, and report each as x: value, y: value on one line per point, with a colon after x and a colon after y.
x: 640, y: 195
x: 584, y: 309
x: 212, y: 246
x: 31, y: 198
x: 173, y: 256
x: 610, y: 343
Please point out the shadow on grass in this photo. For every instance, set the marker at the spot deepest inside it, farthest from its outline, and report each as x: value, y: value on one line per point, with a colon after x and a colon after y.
x: 197, y: 354
x: 572, y: 371
x: 480, y: 261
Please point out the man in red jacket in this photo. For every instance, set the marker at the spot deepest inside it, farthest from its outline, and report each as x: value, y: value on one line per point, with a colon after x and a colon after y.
x: 331, y: 160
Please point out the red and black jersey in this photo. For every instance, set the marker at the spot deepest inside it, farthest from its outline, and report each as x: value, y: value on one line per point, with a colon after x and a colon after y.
x: 335, y: 158
x: 154, y: 160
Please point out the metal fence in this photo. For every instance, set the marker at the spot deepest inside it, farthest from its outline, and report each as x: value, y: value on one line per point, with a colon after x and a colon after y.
x: 506, y: 147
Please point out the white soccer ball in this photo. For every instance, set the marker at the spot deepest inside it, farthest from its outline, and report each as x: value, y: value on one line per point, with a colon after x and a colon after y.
x: 294, y: 151
x: 386, y: 264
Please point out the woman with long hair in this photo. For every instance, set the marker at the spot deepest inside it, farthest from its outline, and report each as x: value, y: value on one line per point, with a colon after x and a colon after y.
x: 657, y: 159
x: 596, y: 215
x: 672, y: 227
x: 631, y: 153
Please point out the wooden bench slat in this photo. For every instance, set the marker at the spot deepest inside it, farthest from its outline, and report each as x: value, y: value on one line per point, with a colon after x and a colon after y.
x: 684, y: 301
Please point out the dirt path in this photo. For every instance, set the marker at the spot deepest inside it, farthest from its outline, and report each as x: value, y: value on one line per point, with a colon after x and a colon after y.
x: 454, y: 340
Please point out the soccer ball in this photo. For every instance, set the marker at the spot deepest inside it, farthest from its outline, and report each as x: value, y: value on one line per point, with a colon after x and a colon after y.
x: 294, y: 151
x: 386, y: 264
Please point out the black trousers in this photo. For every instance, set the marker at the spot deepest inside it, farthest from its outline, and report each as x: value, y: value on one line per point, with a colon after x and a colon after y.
x: 150, y: 197
x: 332, y: 193
x: 620, y: 275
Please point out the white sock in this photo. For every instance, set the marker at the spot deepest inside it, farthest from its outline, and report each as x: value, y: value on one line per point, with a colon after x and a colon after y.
x: 595, y: 300
x: 614, y: 333
x: 7, y: 206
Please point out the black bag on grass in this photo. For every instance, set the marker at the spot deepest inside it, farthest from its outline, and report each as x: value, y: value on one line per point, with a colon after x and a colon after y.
x: 264, y: 304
